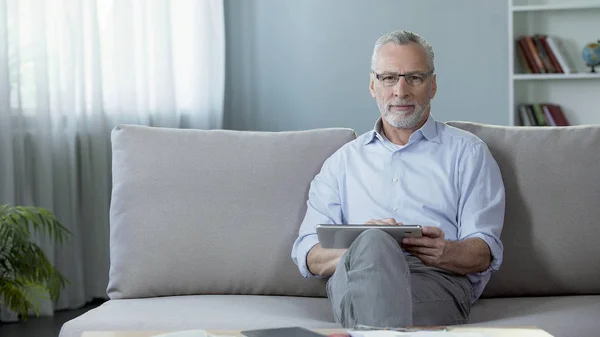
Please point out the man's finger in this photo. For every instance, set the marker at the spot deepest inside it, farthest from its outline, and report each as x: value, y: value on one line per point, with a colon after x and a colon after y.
x: 390, y: 221
x: 432, y: 232
x: 383, y: 222
x: 419, y: 242
x: 424, y: 251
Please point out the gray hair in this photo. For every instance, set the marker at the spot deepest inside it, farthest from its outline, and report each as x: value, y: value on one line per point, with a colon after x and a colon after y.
x: 403, y: 37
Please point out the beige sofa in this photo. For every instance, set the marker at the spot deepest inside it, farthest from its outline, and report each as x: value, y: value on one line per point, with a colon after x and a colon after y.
x: 202, y: 223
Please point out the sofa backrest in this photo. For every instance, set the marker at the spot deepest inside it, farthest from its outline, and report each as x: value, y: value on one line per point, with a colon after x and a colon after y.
x: 211, y: 211
x: 551, y: 232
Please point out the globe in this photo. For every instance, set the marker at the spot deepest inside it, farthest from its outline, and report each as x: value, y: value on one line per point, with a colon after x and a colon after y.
x: 591, y: 55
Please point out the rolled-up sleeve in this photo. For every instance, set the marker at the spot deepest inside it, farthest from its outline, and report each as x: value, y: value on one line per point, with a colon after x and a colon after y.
x: 323, y: 207
x: 482, y: 201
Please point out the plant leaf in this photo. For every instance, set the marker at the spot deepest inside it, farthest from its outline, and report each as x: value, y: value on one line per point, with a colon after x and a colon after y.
x: 25, y: 271
x: 13, y: 295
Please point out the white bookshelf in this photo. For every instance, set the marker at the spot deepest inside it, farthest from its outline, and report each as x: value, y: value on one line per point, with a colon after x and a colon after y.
x: 575, y: 23
x: 566, y: 5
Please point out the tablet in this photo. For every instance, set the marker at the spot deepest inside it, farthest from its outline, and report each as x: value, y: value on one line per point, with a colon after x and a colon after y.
x: 293, y: 331
x: 342, y: 236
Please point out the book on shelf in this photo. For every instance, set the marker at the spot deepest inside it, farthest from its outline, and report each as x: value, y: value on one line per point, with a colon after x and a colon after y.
x: 543, y: 54
x: 541, y: 114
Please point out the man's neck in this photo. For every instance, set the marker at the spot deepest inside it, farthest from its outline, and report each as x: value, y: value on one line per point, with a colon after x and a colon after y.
x: 400, y: 136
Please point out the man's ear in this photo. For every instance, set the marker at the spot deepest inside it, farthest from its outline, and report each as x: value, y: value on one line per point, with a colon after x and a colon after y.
x: 433, y: 87
x: 371, y: 85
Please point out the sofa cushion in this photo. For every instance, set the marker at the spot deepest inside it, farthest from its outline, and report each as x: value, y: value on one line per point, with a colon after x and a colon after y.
x: 211, y: 312
x: 560, y: 316
x: 211, y: 211
x: 552, y: 221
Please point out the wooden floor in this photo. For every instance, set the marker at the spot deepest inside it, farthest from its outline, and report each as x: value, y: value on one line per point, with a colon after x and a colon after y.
x: 43, y: 326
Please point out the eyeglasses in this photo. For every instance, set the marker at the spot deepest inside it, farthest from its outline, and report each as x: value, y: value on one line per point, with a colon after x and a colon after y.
x: 414, y: 78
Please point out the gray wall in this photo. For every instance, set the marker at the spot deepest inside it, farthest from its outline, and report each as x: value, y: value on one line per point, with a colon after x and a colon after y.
x: 294, y: 65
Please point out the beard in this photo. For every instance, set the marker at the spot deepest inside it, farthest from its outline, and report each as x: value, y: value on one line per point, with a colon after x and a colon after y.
x: 402, y: 119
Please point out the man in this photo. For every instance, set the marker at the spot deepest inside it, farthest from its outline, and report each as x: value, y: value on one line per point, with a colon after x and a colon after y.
x: 410, y: 169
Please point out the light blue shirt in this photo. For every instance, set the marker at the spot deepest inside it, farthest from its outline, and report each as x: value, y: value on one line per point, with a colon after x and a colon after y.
x: 443, y: 177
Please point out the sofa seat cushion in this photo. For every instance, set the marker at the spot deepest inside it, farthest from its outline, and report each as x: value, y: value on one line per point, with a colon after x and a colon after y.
x: 560, y: 316
x: 213, y: 312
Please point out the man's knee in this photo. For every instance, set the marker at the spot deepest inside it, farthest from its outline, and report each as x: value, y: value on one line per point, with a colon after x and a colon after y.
x: 375, y: 241
x: 374, y: 234
x: 375, y: 249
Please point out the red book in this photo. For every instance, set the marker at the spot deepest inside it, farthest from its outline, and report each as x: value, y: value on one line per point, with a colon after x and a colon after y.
x: 557, y: 114
x: 543, y: 55
x: 550, y: 54
x: 528, y: 55
x: 535, y: 54
x: 522, y: 58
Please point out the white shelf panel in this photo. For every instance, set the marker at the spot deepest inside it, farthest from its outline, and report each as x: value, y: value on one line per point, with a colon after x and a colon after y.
x: 579, y: 99
x: 535, y: 77
x: 556, y: 7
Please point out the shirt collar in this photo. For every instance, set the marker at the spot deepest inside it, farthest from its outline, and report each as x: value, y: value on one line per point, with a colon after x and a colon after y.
x: 428, y: 131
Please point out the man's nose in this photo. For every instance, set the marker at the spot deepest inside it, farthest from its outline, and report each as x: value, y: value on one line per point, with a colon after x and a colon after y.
x: 401, y: 89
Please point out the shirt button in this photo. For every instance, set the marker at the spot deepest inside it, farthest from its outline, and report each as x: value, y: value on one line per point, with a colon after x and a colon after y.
x: 397, y: 153
x: 395, y: 180
x: 395, y: 209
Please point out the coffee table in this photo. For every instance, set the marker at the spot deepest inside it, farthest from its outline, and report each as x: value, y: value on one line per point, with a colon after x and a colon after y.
x: 491, y: 332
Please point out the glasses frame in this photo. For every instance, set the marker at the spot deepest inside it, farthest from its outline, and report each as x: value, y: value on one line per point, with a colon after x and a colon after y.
x: 426, y: 74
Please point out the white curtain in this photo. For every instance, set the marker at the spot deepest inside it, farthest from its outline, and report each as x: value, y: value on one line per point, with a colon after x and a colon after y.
x: 70, y: 70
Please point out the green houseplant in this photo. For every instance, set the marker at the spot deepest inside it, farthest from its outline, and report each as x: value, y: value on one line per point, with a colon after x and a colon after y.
x: 25, y: 271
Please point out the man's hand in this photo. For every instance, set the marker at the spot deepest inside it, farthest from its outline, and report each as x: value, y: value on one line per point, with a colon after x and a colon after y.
x: 322, y: 261
x: 463, y: 257
x: 430, y: 248
x: 384, y: 222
